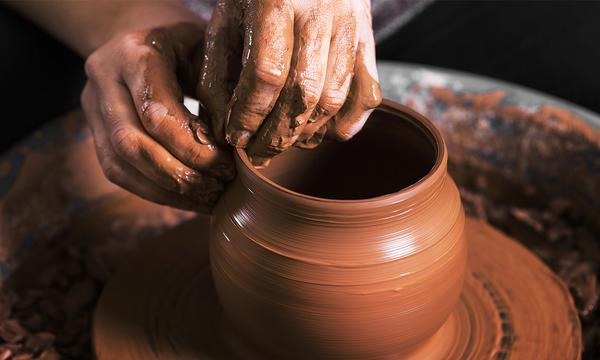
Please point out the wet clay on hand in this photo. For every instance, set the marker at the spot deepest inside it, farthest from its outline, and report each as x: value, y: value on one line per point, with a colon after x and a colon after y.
x: 146, y: 140
x: 300, y: 60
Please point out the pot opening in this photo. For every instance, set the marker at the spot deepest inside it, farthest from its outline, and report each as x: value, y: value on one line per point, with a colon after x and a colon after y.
x: 393, y: 151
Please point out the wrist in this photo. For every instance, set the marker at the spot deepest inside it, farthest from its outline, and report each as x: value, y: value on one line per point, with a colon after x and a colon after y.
x: 135, y: 16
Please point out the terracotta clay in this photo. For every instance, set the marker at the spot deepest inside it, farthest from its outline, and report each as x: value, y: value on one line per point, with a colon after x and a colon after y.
x: 162, y: 305
x: 303, y: 267
x: 332, y: 253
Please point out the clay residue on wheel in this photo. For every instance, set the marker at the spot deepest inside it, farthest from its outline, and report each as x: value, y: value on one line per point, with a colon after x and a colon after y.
x: 489, y: 320
x: 534, y: 172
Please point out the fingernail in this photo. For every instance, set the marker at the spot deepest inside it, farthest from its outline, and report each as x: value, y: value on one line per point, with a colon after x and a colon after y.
x: 298, y: 120
x: 307, y: 143
x: 239, y: 138
x: 260, y: 162
x: 202, y: 127
x: 316, y: 114
x: 202, y: 138
x: 201, y: 132
x: 303, y: 137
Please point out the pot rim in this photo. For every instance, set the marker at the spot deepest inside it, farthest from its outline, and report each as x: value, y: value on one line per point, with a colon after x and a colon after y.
x: 433, y: 177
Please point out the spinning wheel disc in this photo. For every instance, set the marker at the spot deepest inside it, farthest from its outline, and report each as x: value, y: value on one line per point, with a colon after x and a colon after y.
x: 162, y: 305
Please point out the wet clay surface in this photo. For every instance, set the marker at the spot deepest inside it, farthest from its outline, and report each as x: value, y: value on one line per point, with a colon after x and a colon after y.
x: 554, y: 227
x: 46, y: 305
x: 518, y: 183
x: 136, y: 319
x: 348, y: 279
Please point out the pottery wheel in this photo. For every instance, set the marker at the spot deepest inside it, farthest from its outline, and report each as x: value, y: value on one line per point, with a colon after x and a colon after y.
x: 162, y: 305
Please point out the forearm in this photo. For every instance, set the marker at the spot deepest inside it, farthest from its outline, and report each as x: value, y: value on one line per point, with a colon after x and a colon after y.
x: 86, y: 25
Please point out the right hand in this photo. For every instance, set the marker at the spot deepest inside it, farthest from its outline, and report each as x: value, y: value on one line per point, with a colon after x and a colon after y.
x: 307, y: 68
x: 146, y: 140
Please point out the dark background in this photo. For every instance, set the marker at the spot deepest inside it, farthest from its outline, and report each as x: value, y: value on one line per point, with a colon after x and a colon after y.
x: 550, y: 46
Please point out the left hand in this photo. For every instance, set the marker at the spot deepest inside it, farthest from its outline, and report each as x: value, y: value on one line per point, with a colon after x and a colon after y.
x: 146, y: 140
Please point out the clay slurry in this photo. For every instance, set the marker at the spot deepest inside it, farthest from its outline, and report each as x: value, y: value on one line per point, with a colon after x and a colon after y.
x: 387, y: 156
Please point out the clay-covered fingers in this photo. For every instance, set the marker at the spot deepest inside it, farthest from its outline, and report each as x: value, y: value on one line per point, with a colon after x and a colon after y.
x: 112, y: 152
x: 221, y: 64
x: 365, y: 94
x: 314, y: 140
x: 303, y: 87
x: 268, y: 45
x: 340, y: 67
x: 158, y: 101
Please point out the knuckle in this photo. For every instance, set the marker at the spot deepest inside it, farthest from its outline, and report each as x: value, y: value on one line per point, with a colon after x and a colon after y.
x: 195, y: 156
x: 154, y: 116
x: 268, y: 73
x: 132, y: 40
x: 136, y: 59
x: 113, y: 173
x: 110, y: 168
x: 142, y: 54
x: 311, y: 92
x: 135, y: 52
x: 304, y: 94
x: 331, y: 101
x: 85, y: 98
x: 255, y: 107
x: 107, y: 112
x: 93, y: 65
x: 126, y: 142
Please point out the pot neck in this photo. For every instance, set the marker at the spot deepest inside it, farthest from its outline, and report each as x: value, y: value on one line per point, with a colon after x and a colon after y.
x: 265, y: 193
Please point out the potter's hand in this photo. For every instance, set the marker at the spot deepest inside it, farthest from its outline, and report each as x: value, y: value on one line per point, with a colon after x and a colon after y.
x: 146, y: 140
x: 307, y: 67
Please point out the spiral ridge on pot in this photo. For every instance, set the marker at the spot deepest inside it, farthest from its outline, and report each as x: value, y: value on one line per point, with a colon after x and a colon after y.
x: 352, y: 250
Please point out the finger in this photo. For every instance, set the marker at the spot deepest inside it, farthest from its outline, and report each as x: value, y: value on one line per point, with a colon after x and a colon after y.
x: 132, y: 144
x: 181, y: 43
x: 364, y: 94
x: 221, y: 64
x: 268, y: 47
x: 124, y: 175
x: 302, y: 90
x: 159, y: 103
x: 313, y: 141
x: 340, y: 64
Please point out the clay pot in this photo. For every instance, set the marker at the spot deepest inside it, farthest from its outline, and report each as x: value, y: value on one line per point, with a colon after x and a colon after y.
x: 351, y: 250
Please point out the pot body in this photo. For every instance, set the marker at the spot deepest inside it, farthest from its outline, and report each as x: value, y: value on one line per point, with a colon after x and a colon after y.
x: 302, y: 277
